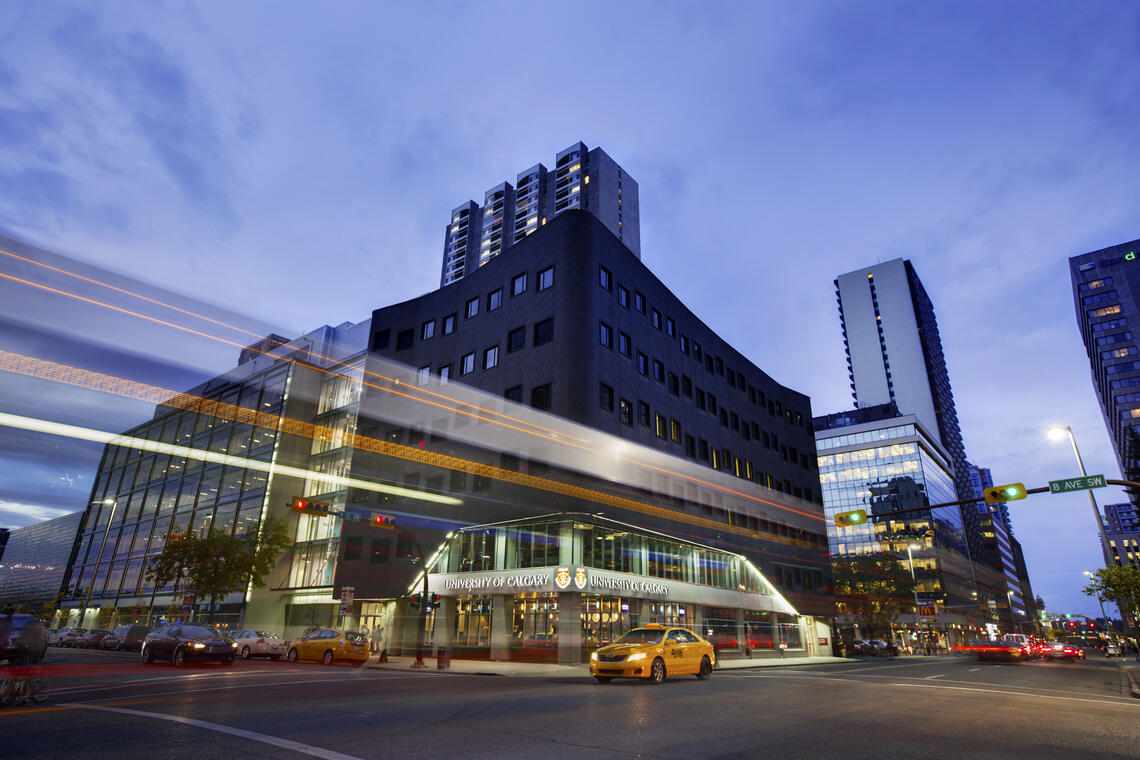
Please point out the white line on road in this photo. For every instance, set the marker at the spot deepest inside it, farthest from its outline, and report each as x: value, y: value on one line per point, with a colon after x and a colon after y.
x: 240, y: 686
x: 305, y: 749
x: 973, y: 669
x: 186, y: 678
x: 940, y: 675
x: 1132, y: 703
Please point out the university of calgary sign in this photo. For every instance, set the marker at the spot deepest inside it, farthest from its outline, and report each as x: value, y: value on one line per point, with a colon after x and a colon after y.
x: 551, y: 579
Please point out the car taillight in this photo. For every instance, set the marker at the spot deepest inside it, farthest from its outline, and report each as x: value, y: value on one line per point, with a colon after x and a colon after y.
x: 261, y: 641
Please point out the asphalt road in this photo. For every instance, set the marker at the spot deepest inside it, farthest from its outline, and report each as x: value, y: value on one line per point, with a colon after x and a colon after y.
x: 105, y: 705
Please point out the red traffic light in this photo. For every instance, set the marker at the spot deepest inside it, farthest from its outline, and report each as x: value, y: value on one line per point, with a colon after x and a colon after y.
x: 309, y: 507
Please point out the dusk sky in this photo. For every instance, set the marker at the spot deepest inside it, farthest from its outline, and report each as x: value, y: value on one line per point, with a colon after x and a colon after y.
x: 297, y: 163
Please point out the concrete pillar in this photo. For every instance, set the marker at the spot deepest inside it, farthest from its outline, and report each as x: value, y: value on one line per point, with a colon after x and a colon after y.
x: 445, y: 624
x: 502, y: 609
x: 567, y: 556
x: 570, y: 627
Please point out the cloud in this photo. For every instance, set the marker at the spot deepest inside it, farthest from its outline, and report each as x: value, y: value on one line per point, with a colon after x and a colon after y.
x: 14, y: 514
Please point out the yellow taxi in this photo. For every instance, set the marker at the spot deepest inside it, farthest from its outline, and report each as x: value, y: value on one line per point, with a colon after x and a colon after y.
x: 654, y: 651
x: 329, y: 646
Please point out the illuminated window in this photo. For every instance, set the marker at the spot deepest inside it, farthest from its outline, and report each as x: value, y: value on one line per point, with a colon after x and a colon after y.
x: 449, y: 324
x: 491, y: 357
x: 467, y: 364
x: 546, y: 278
x: 427, y: 329
x: 472, y: 308
x: 494, y: 299
x: 518, y: 284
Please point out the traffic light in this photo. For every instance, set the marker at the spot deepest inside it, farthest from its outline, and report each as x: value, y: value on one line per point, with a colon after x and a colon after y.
x: 381, y: 521
x: 433, y: 601
x: 414, y: 601
x: 847, y: 519
x: 1001, y: 494
x: 309, y: 506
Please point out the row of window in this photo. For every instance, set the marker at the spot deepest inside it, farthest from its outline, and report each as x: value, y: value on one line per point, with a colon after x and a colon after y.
x: 714, y: 365
x: 448, y: 324
x: 542, y: 333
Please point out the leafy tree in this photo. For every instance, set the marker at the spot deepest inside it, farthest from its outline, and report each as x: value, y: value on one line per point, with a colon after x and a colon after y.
x: 875, y: 588
x: 1120, y: 585
x: 216, y: 563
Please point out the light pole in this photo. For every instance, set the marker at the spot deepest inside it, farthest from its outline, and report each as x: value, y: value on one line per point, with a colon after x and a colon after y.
x: 1056, y: 433
x: 1100, y: 599
x: 914, y: 585
x: 103, y: 545
x: 1009, y: 605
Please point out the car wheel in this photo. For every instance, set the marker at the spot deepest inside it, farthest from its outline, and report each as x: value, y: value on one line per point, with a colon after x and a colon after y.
x: 327, y: 659
x: 180, y: 656
x: 604, y: 679
x: 706, y: 669
x: 146, y: 655
x: 657, y: 671
x: 245, y: 655
x: 292, y: 656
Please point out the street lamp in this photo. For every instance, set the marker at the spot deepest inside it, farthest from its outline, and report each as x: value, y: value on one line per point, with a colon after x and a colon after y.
x: 1057, y: 433
x: 914, y: 585
x: 1100, y: 599
x: 103, y: 545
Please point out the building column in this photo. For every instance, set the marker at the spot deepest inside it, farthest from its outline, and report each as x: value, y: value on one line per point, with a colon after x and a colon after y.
x: 502, y: 608
x: 444, y: 630
x: 570, y: 627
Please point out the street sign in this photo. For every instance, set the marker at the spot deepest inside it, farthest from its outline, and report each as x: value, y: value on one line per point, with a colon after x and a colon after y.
x: 927, y: 610
x: 1077, y: 484
x: 347, y: 594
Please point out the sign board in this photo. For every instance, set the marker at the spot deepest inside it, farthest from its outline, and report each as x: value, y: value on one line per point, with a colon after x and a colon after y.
x: 927, y: 610
x: 1077, y: 484
x: 347, y: 595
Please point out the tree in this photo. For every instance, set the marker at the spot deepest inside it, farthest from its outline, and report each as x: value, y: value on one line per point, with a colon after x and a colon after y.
x: 216, y: 563
x: 875, y: 588
x: 1120, y: 585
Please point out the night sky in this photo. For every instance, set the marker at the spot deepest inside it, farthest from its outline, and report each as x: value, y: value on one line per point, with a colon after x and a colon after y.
x: 297, y: 162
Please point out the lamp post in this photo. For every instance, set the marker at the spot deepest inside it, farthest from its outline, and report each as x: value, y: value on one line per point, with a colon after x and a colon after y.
x: 914, y: 585
x: 1100, y: 599
x: 103, y: 545
x: 1056, y: 433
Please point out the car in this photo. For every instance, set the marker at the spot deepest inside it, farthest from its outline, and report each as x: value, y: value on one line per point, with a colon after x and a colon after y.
x: 183, y: 642
x: 1111, y: 650
x: 91, y: 640
x: 129, y: 636
x: 1061, y: 651
x: 654, y: 652
x: 71, y: 636
x: 859, y: 647
x: 22, y: 638
x: 329, y: 646
x: 1008, y: 651
x: 881, y: 648
x: 259, y: 643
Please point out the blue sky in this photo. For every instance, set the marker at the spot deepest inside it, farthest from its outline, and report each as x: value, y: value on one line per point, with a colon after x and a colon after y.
x: 296, y: 162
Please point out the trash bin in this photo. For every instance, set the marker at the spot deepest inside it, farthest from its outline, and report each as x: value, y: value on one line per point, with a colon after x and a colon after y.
x: 442, y: 659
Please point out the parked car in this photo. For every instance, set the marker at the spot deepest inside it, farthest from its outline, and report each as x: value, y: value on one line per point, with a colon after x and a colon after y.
x: 91, y: 640
x: 183, y: 642
x: 859, y: 647
x: 53, y: 637
x: 21, y: 638
x: 882, y: 648
x: 129, y: 636
x: 1111, y: 650
x: 73, y: 635
x: 328, y: 646
x: 259, y: 644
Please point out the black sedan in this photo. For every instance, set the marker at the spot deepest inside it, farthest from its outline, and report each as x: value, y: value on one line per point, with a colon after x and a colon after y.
x: 186, y: 642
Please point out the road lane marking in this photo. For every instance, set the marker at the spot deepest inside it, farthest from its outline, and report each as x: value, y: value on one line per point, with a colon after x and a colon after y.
x: 1131, y: 702
x: 973, y: 669
x: 940, y: 675
x: 180, y: 694
x: 305, y: 749
x: 184, y: 678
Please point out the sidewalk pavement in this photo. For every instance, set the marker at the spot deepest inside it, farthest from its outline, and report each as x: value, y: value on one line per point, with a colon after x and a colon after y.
x: 555, y: 670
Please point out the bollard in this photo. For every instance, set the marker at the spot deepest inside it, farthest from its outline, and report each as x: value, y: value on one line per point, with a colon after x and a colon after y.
x: 443, y: 659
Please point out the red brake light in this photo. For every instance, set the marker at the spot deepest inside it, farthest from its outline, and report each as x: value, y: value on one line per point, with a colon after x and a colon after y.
x: 261, y: 641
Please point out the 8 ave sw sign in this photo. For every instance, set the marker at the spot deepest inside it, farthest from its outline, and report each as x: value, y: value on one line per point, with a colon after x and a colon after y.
x: 1077, y: 484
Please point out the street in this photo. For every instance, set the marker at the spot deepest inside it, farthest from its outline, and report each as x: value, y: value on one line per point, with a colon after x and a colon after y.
x: 104, y: 704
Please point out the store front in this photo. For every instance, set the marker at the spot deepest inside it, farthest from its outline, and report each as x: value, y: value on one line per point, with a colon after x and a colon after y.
x: 556, y: 588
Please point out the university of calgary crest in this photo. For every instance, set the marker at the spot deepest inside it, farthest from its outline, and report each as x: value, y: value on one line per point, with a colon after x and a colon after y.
x: 562, y: 579
x: 580, y: 577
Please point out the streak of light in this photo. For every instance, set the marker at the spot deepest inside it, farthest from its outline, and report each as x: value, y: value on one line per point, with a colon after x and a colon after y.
x: 537, y: 431
x: 156, y: 447
x: 47, y: 370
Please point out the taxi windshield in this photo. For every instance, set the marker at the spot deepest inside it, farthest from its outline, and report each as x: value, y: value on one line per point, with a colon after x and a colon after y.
x: 642, y: 636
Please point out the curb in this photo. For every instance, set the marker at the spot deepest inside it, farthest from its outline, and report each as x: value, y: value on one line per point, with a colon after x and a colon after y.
x: 1131, y: 680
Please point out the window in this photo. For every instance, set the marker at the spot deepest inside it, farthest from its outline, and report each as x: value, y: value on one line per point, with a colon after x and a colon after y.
x: 494, y: 299
x: 684, y: 344
x: 624, y: 345
x: 675, y: 430
x: 422, y: 375
x: 643, y: 363
x: 660, y: 426
x: 472, y: 308
x: 696, y: 350
x: 540, y: 397
x: 606, y: 397
x: 467, y: 363
x: 700, y: 399
x: 712, y: 404
x: 449, y: 324
x: 518, y: 284
x: 546, y: 278
x: 639, y: 301
x: 606, y: 335
x: 702, y: 450
x: 655, y: 318
x: 674, y: 384
x: 516, y: 339
x: 670, y: 327
x: 643, y: 413
x: 513, y: 393
x: 404, y: 340
x: 623, y: 296
x: 720, y: 366
x: 686, y: 386
x: 491, y: 357
x: 658, y: 371
x: 625, y: 411
x: 444, y: 374
x: 709, y: 366
x: 690, y: 446
x: 543, y: 332
x: 427, y: 329
x: 605, y: 279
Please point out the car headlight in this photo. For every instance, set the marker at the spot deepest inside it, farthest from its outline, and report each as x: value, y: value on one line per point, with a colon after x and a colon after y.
x: 233, y: 644
x: 594, y: 656
x: 198, y: 645
x: 638, y: 656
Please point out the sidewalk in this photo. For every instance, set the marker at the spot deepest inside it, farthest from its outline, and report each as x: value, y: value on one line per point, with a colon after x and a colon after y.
x: 555, y: 670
